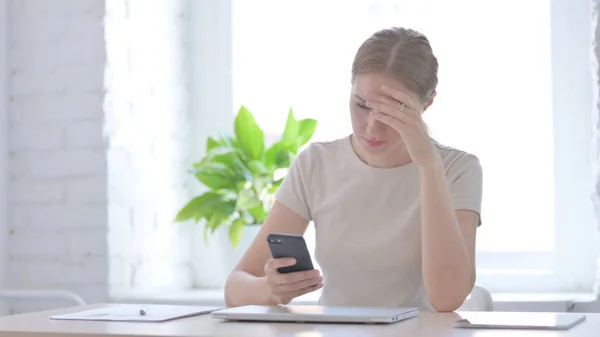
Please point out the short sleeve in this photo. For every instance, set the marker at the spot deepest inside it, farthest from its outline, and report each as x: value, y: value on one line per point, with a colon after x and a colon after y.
x: 293, y: 190
x: 466, y: 184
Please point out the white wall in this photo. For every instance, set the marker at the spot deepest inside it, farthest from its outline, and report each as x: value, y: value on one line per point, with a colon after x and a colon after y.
x: 212, y: 103
x: 3, y: 148
x: 572, y: 105
x: 58, y: 171
x: 595, y: 115
x: 147, y: 123
x: 98, y: 137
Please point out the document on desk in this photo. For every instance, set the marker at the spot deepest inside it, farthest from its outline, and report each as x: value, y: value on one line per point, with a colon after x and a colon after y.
x: 517, y: 320
x: 137, y: 313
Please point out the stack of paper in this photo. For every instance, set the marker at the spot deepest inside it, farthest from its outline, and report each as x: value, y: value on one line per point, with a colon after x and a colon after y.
x: 132, y: 313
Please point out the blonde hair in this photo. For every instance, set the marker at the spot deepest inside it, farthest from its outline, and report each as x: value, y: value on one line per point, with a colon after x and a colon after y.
x: 402, y: 53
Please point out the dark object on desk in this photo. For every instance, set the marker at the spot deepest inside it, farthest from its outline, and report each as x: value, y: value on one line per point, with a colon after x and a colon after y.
x: 290, y: 245
x: 519, y: 320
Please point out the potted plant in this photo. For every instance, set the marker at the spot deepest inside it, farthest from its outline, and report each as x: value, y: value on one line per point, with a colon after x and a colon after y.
x: 242, y: 174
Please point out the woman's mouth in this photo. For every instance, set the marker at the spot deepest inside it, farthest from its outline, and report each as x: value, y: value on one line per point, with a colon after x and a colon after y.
x: 373, y: 142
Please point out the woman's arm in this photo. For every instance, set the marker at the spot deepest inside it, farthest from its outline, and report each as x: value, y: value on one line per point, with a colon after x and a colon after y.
x: 448, y: 236
x: 448, y: 242
x: 247, y: 283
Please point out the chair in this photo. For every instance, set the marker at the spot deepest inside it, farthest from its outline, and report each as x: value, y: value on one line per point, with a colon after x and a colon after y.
x: 479, y: 299
x: 41, y: 295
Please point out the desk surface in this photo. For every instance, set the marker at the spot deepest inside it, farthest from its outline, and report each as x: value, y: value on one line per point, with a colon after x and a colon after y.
x: 427, y: 324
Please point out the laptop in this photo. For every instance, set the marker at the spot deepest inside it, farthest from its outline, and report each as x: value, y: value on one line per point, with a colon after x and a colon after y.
x: 315, y: 314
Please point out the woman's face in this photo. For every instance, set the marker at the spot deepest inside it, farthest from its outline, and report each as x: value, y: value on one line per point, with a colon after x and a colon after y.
x: 373, y: 136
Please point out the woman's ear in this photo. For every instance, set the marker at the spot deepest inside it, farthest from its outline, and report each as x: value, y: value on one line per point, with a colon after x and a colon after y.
x: 430, y: 100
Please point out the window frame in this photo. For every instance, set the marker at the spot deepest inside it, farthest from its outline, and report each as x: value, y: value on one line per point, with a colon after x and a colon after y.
x: 575, y: 225
x: 4, y: 147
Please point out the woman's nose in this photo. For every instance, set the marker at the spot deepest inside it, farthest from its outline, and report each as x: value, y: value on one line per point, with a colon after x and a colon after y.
x: 373, y: 125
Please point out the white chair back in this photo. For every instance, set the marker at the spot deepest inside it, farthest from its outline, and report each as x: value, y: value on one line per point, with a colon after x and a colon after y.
x: 479, y: 299
x: 64, y: 296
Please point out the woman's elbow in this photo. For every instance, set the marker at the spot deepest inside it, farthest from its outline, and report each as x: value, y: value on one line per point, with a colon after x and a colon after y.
x: 448, y: 302
x: 230, y: 293
x: 446, y: 306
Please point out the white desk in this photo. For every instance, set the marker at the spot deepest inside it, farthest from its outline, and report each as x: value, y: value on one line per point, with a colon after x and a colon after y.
x: 427, y: 325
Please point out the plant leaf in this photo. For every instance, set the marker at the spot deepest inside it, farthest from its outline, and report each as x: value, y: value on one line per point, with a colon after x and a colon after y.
x: 229, y: 155
x: 246, y: 200
x: 235, y: 232
x: 292, y: 127
x: 250, y: 137
x: 248, y: 218
x: 244, y: 172
x: 306, y: 130
x: 284, y: 158
x: 275, y: 186
x: 260, y: 183
x: 259, y: 213
x: 220, y: 151
x: 205, y: 235
x: 272, y: 154
x: 200, y: 207
x: 220, y: 214
x: 211, y: 143
x: 216, y: 175
x: 225, y: 155
x: 257, y: 168
x: 228, y: 141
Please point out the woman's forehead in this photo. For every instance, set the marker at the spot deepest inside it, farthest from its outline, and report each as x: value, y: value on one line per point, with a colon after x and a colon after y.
x: 371, y: 83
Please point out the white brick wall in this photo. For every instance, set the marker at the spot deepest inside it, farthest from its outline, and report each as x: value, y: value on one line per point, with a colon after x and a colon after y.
x: 98, y: 119
x: 58, y: 170
x: 147, y: 120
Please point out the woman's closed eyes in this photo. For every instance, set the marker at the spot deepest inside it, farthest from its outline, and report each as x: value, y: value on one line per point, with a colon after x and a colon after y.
x: 362, y: 106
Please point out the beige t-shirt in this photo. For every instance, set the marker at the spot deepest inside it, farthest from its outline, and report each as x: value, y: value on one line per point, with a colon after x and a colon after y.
x: 368, y: 222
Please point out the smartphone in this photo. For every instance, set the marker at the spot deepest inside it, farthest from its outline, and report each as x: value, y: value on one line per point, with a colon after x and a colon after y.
x: 290, y: 245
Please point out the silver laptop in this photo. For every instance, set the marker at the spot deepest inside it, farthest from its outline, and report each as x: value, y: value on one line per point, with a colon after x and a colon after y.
x: 315, y: 313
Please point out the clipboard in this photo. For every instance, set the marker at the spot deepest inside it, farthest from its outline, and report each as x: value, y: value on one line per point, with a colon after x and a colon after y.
x: 519, y: 320
x: 137, y: 313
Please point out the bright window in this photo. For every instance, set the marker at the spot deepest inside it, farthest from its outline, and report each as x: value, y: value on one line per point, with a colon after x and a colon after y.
x: 495, y: 99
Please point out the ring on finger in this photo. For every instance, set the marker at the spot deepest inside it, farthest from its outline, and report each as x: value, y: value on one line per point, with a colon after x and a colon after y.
x: 402, y: 106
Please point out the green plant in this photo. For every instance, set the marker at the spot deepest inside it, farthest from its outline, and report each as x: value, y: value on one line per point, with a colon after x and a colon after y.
x: 242, y: 174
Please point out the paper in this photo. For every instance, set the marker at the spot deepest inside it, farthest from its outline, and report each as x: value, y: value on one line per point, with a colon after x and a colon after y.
x: 512, y: 320
x: 131, y: 313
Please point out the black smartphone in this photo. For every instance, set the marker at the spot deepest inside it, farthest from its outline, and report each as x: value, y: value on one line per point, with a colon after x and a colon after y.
x: 290, y: 245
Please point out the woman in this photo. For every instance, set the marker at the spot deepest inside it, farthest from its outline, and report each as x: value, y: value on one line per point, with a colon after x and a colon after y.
x: 395, y: 212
